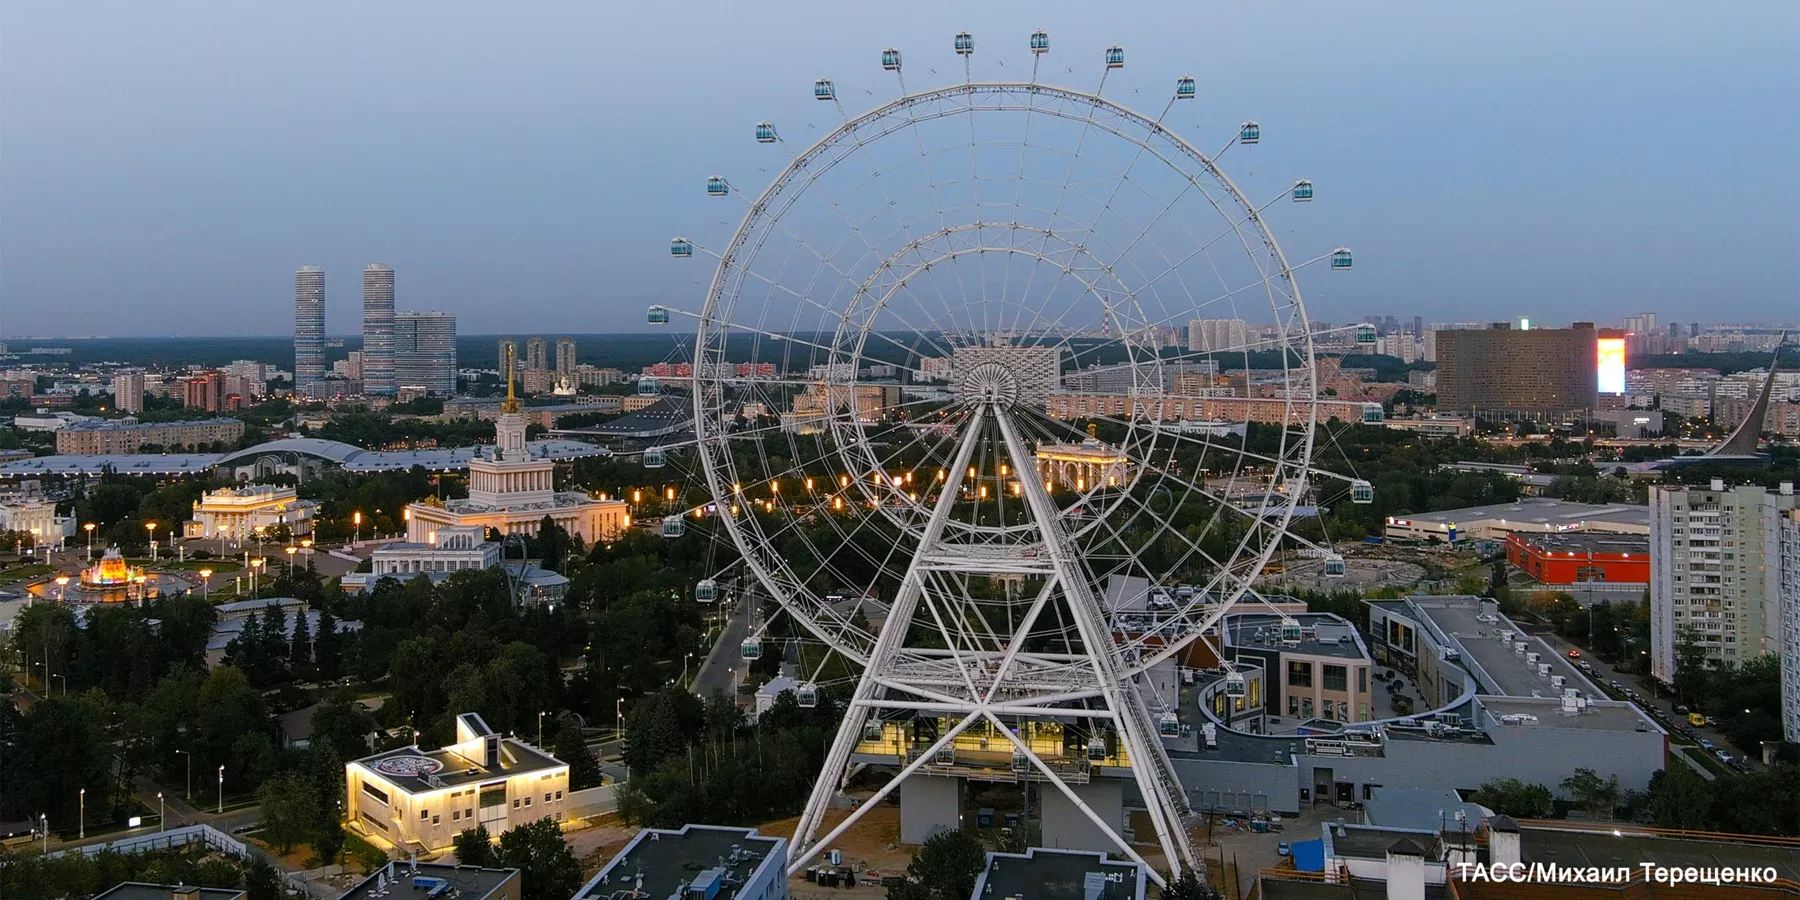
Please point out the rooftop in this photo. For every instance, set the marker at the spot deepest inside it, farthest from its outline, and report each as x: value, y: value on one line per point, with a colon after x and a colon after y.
x: 107, y: 425
x: 1372, y: 842
x: 1541, y: 511
x: 663, y: 418
x: 1043, y: 874
x: 1583, y: 542
x: 1606, y: 715
x: 1421, y: 808
x: 660, y: 862
x: 352, y: 458
x: 1321, y: 634
x: 137, y: 890
x: 1499, y: 666
x: 395, y: 881
x: 452, y: 769
x: 1628, y: 845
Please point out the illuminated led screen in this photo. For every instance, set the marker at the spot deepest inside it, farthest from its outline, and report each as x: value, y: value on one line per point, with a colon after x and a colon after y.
x: 1612, y: 365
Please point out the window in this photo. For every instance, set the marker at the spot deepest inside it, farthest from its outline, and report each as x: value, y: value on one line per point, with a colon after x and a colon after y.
x: 1337, y: 678
x: 456, y: 815
x: 375, y: 792
x: 374, y: 821
x: 1362, y: 680
x: 527, y: 802
x: 1300, y: 674
x: 515, y: 803
x: 424, y: 814
x: 546, y: 798
x: 559, y: 795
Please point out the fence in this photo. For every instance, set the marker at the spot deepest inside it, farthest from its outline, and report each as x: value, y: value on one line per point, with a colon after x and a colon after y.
x: 164, y: 840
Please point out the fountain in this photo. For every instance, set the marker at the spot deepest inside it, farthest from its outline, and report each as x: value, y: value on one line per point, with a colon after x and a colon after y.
x: 111, y: 580
x: 110, y: 572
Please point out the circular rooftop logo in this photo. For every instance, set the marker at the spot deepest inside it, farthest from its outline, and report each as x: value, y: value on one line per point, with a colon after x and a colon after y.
x: 415, y: 766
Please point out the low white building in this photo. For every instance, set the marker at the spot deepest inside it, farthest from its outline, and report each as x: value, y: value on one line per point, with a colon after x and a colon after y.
x: 36, y: 517
x: 235, y: 514
x: 420, y: 800
x: 449, y: 549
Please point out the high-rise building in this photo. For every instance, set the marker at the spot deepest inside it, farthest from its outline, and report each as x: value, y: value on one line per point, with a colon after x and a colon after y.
x: 425, y: 352
x: 1642, y: 323
x: 1544, y: 371
x: 507, y: 349
x: 1784, y: 577
x: 1709, y: 572
x: 309, y: 330
x: 536, y: 355
x: 1218, y: 335
x: 204, y: 391
x: 128, y: 392
x: 565, y: 357
x: 378, y: 330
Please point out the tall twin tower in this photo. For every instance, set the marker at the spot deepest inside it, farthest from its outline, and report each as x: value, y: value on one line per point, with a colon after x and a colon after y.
x: 378, y: 356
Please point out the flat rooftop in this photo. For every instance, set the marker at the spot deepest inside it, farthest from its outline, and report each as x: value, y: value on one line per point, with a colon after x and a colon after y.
x: 1506, y: 671
x: 394, y: 882
x: 137, y: 890
x: 1541, y: 511
x: 1277, y: 888
x: 1635, y: 845
x: 1322, y: 634
x: 1581, y: 542
x: 1044, y: 874
x: 1606, y: 715
x: 665, y: 860
x: 516, y: 757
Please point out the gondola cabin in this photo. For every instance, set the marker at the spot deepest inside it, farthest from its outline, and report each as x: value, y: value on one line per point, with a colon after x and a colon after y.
x: 681, y: 248
x: 716, y: 186
x: 807, y: 696
x: 1340, y: 258
x: 1040, y: 42
x: 890, y: 59
x: 822, y: 90
x: 1115, y: 57
x: 965, y: 43
x: 1184, y: 88
x: 1249, y: 133
x: 648, y: 386
x: 1334, y: 566
x: 1362, y: 492
x: 659, y: 315
x: 706, y: 591
x: 1302, y: 191
x: 1168, y: 725
x: 1235, y: 685
x: 673, y: 527
x: 752, y: 648
x: 655, y: 458
x: 765, y: 132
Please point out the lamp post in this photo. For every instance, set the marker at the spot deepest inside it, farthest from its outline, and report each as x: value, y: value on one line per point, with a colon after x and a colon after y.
x: 618, y: 717
x: 256, y: 565
x: 162, y: 815
x: 541, y: 730
x: 89, y: 528
x: 306, y: 545
x: 684, y: 668
x: 205, y: 584
x: 290, y: 550
x: 221, y: 789
x: 190, y: 774
x: 65, y: 679
x: 151, y: 527
x: 44, y: 829
x: 35, y: 533
x: 62, y: 581
x: 356, y: 533
x: 81, y: 831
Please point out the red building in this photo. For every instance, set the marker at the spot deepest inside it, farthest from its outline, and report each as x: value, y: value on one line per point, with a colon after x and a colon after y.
x: 1575, y: 557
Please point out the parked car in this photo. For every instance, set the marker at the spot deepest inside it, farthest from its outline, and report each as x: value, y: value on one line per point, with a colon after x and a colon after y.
x: 1284, y: 849
x: 1707, y: 745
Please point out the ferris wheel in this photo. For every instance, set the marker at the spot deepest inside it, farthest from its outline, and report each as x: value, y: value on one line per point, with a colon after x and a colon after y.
x: 980, y: 357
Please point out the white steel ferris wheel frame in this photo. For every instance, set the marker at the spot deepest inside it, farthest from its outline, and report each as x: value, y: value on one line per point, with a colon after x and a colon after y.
x: 974, y: 688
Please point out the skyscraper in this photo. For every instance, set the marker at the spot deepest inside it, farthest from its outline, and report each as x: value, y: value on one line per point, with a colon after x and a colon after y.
x: 536, y: 357
x: 309, y: 330
x: 378, y: 330
x: 425, y: 352
x: 1218, y: 335
x: 128, y: 392
x: 1712, y: 554
x: 565, y: 357
x: 1782, y: 531
x: 1544, y: 371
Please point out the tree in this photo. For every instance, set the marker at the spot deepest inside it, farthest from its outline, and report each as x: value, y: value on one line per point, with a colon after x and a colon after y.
x: 329, y: 841
x: 300, y: 651
x: 584, y: 769
x: 944, y: 869
x: 474, y: 847
x: 340, y: 724
x: 547, y: 869
x: 1595, y: 794
x: 662, y: 724
x: 261, y: 881
x: 290, y: 809
x: 1190, y: 887
x: 1512, y: 797
x: 328, y: 647
x: 1680, y: 798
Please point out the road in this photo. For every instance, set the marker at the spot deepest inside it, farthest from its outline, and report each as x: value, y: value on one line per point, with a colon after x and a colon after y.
x: 1604, y: 672
x: 725, y: 663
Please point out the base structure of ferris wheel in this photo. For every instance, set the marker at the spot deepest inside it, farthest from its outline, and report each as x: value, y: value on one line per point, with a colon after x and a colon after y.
x: 1004, y: 684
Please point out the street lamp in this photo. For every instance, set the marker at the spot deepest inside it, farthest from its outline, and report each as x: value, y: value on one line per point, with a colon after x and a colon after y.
x: 618, y: 716
x: 65, y: 679
x: 356, y: 534
x: 81, y: 832
x: 541, y: 730
x: 62, y: 581
x: 162, y: 815
x: 35, y: 533
x: 306, y: 545
x: 205, y: 584
x: 221, y: 789
x: 255, y: 567
x: 151, y: 527
x: 89, y: 528
x: 190, y: 774
x: 291, y: 550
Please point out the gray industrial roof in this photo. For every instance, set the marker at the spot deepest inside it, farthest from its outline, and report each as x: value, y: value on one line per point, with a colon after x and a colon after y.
x: 352, y: 458
x: 665, y: 860
x: 395, y: 882
x: 137, y: 890
x: 1044, y: 874
x: 1323, y: 634
x: 1540, y: 511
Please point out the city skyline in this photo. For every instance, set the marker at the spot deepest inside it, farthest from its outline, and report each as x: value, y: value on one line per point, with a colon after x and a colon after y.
x: 1413, y: 170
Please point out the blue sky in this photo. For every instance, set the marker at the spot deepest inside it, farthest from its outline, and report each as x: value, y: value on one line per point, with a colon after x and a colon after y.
x: 165, y: 166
